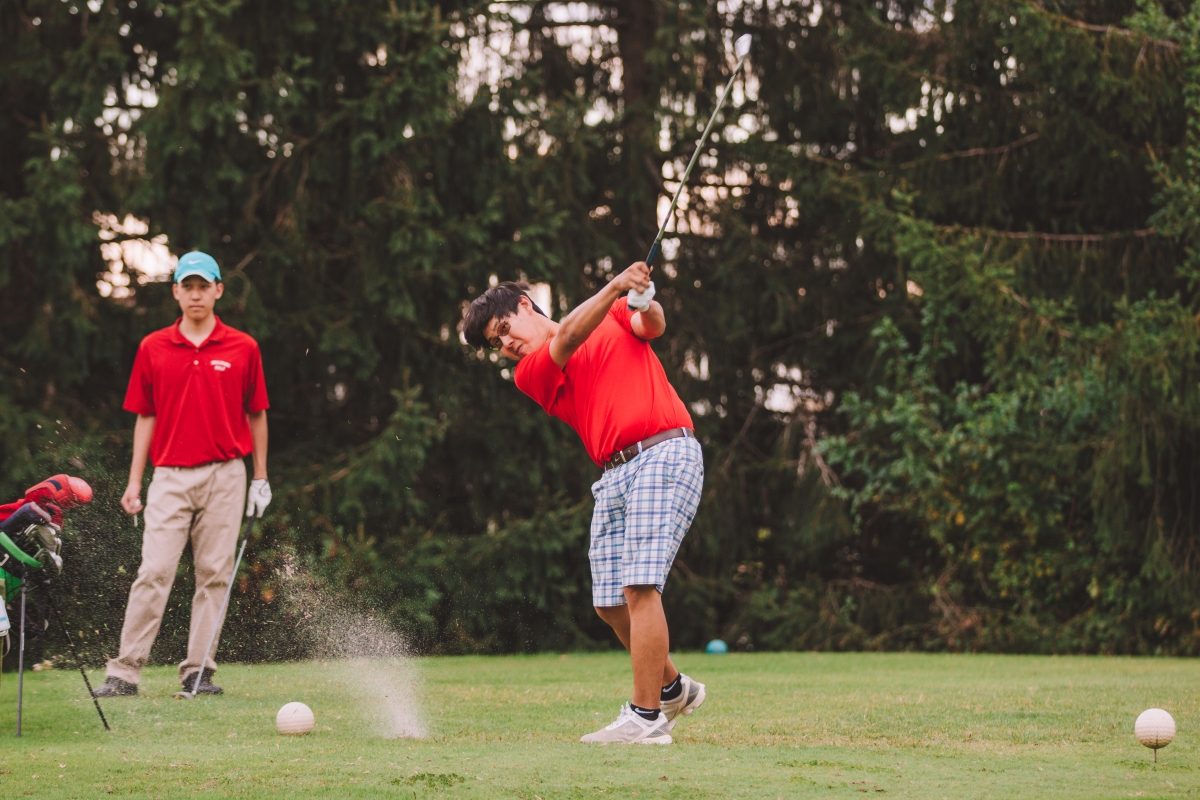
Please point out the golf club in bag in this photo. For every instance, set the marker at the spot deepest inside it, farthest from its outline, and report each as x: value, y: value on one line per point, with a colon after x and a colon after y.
x: 32, y: 524
x: 212, y: 641
x: 741, y: 49
x: 62, y: 626
x: 17, y: 567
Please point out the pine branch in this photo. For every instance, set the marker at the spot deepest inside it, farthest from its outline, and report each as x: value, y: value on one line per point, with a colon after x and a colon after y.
x: 1107, y: 30
x: 974, y: 152
x: 1069, y: 238
x: 731, y: 453
x: 1046, y: 322
x: 958, y: 85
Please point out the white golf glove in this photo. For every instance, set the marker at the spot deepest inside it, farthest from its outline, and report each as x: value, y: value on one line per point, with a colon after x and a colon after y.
x: 640, y: 301
x: 258, y: 498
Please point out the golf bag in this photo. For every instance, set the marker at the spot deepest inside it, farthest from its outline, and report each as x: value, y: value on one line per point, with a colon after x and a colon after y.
x: 31, y: 545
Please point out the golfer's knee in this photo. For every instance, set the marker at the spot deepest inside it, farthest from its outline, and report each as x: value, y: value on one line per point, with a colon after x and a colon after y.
x: 616, y: 617
x: 213, y: 582
x: 156, y: 577
x: 215, y: 576
x: 639, y: 595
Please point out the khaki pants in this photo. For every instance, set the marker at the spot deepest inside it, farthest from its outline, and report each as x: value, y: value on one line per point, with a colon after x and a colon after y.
x: 201, y: 505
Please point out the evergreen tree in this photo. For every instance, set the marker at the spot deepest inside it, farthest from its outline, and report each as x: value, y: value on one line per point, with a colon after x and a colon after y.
x: 1032, y: 429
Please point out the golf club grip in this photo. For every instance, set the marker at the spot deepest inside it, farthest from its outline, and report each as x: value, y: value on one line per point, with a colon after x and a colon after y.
x: 652, y: 256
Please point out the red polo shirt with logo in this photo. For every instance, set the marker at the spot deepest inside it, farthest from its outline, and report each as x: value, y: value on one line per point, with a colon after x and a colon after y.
x: 613, y: 390
x: 199, y: 395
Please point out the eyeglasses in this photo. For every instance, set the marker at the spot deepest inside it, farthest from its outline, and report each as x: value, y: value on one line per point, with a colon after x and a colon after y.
x: 502, y: 328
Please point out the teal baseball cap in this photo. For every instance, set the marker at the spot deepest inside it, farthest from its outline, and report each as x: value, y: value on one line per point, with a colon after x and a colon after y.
x: 197, y: 263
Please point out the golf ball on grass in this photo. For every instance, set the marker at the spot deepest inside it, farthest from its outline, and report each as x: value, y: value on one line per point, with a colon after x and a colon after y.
x: 294, y: 719
x: 1154, y: 728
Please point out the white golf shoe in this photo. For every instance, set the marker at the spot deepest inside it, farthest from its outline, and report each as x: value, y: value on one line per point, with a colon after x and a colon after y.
x: 691, y: 698
x: 629, y: 728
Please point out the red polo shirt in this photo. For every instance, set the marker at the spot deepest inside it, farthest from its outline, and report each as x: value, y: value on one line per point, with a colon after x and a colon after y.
x: 199, y: 395
x: 613, y: 390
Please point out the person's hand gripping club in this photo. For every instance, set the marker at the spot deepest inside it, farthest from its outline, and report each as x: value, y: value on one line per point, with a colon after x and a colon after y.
x: 636, y: 281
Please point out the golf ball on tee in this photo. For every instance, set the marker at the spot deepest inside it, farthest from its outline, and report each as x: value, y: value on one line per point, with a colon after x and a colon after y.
x: 1154, y: 728
x: 294, y: 718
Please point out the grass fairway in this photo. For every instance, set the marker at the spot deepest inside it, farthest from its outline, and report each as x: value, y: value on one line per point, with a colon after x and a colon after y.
x: 788, y: 725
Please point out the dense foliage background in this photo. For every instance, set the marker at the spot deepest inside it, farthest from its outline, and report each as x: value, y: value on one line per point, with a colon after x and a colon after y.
x: 932, y: 299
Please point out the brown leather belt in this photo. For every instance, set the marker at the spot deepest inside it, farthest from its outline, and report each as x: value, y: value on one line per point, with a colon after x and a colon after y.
x: 634, y: 450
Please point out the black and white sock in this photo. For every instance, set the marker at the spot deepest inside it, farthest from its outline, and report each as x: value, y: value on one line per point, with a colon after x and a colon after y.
x: 649, y: 714
x: 672, y: 689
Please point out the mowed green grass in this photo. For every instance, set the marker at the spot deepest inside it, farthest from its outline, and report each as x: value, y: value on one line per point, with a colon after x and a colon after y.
x: 789, y: 725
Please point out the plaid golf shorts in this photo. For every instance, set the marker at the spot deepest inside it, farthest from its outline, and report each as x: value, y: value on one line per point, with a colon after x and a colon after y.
x: 643, y: 509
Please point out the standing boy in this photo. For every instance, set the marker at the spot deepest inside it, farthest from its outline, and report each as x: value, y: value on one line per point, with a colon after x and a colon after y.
x: 201, y: 402
x: 596, y: 371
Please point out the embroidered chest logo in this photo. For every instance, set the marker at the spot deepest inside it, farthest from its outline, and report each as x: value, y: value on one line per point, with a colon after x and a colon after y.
x: 220, y: 366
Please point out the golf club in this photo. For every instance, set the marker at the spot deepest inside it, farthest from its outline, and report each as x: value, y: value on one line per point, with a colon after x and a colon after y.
x: 741, y: 48
x: 21, y: 659
x: 78, y: 661
x: 184, y: 694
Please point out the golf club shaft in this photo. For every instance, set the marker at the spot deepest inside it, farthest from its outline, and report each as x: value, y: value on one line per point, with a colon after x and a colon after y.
x: 224, y: 607
x: 662, y: 229
x: 78, y: 661
x: 21, y: 661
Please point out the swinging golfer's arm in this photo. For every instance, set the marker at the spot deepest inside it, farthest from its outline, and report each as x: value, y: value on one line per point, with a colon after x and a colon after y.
x: 143, y: 432
x: 577, y: 326
x: 649, y: 323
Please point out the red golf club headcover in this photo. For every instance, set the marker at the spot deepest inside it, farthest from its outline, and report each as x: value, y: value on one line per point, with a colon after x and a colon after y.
x: 58, y: 493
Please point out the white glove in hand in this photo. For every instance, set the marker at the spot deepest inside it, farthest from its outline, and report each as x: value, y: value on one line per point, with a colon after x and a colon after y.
x: 258, y: 498
x: 640, y: 301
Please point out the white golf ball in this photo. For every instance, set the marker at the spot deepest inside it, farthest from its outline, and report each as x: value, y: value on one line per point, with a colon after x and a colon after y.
x: 1154, y: 728
x: 294, y: 718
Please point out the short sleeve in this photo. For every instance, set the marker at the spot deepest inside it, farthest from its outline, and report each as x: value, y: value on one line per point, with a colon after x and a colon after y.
x: 256, y: 384
x: 139, y: 395
x: 539, y: 377
x: 620, y: 312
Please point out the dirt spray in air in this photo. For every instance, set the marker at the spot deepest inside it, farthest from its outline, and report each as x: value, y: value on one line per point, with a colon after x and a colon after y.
x: 366, y: 654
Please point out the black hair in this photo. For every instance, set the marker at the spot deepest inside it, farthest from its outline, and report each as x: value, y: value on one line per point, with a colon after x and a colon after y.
x: 497, y: 302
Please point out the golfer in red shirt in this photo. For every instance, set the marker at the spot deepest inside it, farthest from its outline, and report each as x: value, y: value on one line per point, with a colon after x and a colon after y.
x: 596, y: 371
x: 198, y: 392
